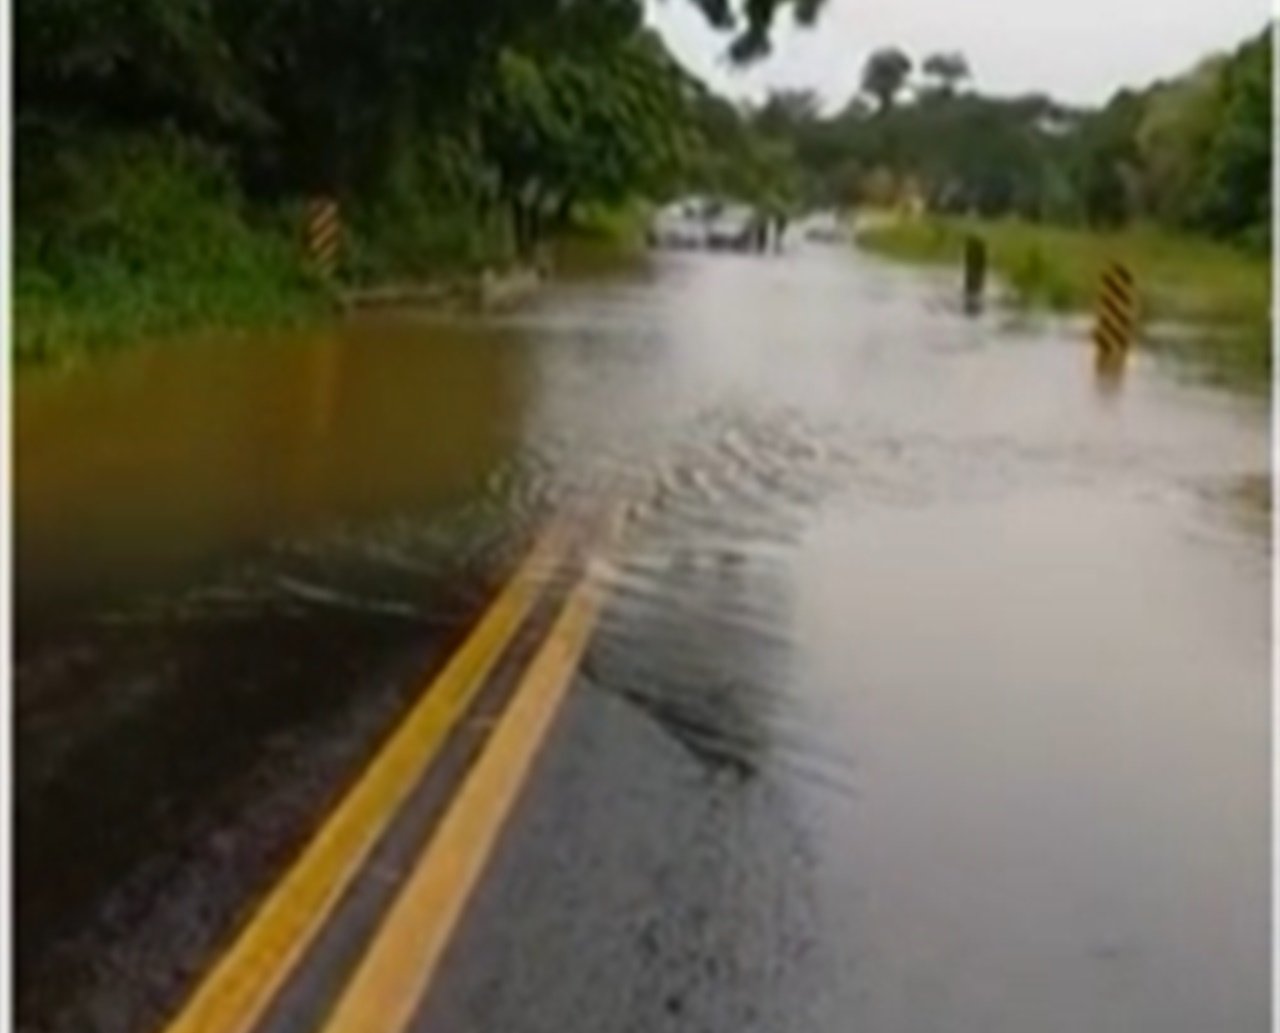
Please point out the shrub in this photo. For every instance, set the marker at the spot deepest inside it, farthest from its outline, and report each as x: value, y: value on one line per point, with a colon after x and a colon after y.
x: 141, y: 235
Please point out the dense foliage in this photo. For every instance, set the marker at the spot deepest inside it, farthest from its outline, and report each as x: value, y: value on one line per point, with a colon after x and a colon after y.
x: 1192, y: 153
x: 165, y: 149
x: 163, y: 142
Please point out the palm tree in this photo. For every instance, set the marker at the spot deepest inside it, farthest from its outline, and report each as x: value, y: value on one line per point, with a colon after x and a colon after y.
x: 884, y: 75
x: 947, y: 69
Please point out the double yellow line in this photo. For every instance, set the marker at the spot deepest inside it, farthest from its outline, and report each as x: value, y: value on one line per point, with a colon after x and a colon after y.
x: 398, y: 965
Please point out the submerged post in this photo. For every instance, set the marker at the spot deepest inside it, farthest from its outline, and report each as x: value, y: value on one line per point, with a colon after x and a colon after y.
x: 975, y: 272
x: 1117, y: 317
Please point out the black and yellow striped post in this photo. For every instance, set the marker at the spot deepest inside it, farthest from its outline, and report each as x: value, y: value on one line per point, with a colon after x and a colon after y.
x: 324, y: 234
x: 1117, y: 320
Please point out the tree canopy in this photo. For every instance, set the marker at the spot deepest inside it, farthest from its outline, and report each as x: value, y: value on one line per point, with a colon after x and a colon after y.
x: 885, y: 74
x: 947, y: 69
x: 531, y: 106
x: 1193, y: 151
x: 596, y: 119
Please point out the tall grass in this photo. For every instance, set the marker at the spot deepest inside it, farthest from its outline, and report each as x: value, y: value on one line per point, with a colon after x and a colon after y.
x: 144, y: 237
x: 1221, y: 293
x: 129, y: 238
x: 426, y: 217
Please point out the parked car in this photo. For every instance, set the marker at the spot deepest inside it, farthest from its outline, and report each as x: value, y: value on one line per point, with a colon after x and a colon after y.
x: 675, y: 227
x: 733, y: 227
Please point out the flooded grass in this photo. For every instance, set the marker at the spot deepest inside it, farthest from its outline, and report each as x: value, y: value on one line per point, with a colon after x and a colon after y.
x: 1224, y: 293
x: 150, y: 241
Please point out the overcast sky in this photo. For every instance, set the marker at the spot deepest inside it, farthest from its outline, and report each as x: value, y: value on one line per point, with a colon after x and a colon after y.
x: 1080, y: 51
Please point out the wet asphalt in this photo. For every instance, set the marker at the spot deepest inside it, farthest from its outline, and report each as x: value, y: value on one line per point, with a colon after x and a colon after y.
x: 931, y: 693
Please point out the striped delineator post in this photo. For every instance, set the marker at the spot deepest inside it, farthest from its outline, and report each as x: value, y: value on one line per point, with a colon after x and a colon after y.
x: 1117, y: 317
x: 324, y: 234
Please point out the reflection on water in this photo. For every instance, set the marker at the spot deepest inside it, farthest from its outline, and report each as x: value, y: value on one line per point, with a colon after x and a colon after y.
x: 1057, y: 703
x: 1109, y: 367
x: 1005, y: 644
x: 1008, y: 645
x: 158, y: 459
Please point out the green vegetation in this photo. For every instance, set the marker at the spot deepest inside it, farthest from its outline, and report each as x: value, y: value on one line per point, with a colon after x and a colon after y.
x: 165, y: 152
x: 1224, y: 291
x: 148, y: 237
x: 1186, y: 278
x: 739, y: 154
x: 1174, y: 179
x: 1192, y: 154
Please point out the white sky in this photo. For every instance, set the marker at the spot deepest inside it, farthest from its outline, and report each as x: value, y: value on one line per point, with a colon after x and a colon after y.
x: 1079, y: 51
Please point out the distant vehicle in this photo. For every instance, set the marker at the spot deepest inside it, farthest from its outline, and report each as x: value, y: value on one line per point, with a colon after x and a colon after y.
x: 825, y: 228
x: 733, y: 227
x: 676, y: 227
x: 705, y: 223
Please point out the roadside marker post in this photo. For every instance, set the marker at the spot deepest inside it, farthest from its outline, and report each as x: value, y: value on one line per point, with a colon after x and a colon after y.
x: 975, y: 273
x: 1117, y: 315
x: 324, y: 234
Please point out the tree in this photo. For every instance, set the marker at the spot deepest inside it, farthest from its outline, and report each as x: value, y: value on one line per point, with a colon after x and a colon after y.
x: 878, y: 187
x: 309, y: 94
x: 591, y: 119
x: 124, y: 64
x: 885, y: 74
x: 1105, y: 160
x: 1234, y: 193
x: 1175, y: 132
x: 751, y: 21
x: 787, y: 111
x: 947, y: 70
x: 843, y: 187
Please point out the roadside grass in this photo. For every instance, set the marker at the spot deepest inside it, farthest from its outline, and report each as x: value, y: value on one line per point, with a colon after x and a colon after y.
x: 143, y: 238
x: 620, y: 225
x: 1221, y: 294
x: 59, y: 318
x: 137, y: 238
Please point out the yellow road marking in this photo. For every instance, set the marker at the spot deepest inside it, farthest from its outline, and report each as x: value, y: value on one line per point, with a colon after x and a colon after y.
x: 242, y: 984
x: 395, y: 973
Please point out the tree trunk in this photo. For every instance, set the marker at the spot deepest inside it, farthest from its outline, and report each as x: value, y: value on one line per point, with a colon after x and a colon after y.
x: 564, y: 208
x: 521, y: 229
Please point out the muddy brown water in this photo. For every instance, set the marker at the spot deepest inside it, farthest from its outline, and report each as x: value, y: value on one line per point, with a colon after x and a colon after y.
x: 998, y: 628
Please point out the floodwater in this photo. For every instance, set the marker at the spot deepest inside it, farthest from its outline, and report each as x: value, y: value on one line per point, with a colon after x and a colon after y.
x: 993, y: 629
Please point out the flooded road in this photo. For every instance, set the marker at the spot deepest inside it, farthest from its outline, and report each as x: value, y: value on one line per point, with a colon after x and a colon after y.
x: 932, y: 692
